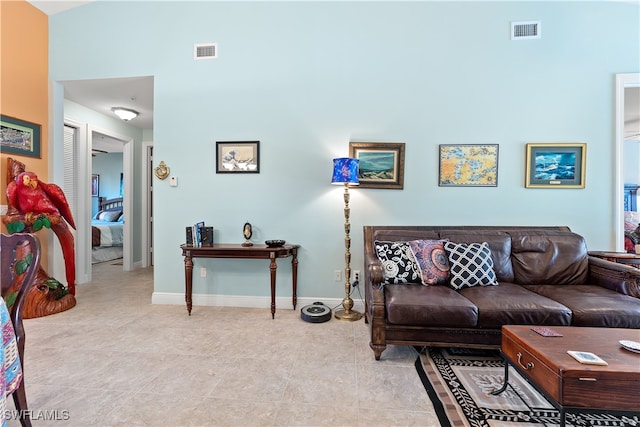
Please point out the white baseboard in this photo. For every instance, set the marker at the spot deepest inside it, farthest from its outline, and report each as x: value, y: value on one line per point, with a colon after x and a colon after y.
x: 171, y: 298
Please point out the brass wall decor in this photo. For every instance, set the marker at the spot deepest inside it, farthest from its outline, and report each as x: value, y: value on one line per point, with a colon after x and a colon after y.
x: 162, y: 171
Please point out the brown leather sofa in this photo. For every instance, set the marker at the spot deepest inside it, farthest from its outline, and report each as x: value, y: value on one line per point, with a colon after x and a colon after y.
x: 545, y: 277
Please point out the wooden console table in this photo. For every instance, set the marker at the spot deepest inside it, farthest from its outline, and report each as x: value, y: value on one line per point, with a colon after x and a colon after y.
x: 230, y: 250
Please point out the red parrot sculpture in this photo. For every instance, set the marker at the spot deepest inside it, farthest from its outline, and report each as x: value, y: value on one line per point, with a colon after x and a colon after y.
x: 37, y: 200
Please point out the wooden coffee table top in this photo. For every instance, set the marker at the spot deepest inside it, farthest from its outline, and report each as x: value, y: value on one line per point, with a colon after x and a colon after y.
x: 604, y: 342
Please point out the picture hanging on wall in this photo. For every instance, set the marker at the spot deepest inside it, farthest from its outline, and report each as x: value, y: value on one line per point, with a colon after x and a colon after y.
x: 381, y: 164
x: 468, y: 165
x: 19, y: 137
x: 237, y: 156
x: 551, y: 165
x: 95, y: 185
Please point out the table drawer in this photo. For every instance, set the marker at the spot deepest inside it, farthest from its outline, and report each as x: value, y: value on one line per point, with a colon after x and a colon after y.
x: 547, y: 378
x: 604, y: 391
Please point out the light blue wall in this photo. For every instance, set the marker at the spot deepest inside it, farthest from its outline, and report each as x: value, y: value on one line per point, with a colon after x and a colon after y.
x: 305, y: 78
x: 109, y: 167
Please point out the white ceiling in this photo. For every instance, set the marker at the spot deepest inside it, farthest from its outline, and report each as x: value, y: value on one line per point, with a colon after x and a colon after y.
x: 135, y: 93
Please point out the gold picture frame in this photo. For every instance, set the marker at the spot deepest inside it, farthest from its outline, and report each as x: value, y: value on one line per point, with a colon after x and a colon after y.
x: 556, y: 165
x: 381, y: 164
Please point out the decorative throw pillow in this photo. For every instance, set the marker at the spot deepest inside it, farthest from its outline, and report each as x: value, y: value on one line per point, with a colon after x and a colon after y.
x: 470, y: 265
x: 431, y: 259
x: 398, y: 262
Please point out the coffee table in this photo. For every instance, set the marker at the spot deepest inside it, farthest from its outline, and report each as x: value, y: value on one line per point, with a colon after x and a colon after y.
x: 568, y: 384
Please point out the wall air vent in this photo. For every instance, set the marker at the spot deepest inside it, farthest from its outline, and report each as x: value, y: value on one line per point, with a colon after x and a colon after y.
x: 205, y: 51
x: 526, y: 30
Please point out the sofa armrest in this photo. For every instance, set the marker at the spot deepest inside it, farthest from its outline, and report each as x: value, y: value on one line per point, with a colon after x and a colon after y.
x: 374, y: 278
x: 617, y: 277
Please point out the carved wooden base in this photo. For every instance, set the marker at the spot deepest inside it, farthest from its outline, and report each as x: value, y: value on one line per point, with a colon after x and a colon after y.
x: 42, y: 301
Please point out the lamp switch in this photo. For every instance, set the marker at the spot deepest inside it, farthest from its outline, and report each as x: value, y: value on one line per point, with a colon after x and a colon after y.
x: 173, y: 181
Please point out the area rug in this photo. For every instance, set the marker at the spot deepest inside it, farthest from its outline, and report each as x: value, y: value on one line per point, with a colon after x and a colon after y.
x: 459, y: 382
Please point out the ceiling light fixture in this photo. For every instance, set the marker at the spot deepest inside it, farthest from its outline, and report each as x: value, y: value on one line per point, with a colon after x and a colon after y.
x: 125, y: 114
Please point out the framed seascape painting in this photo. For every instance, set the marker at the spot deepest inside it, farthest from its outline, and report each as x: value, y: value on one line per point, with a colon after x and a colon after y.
x: 237, y: 156
x: 381, y: 164
x: 468, y: 165
x: 19, y: 137
x: 552, y: 165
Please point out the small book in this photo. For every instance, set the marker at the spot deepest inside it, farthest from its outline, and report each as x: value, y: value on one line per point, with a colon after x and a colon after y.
x: 586, y: 357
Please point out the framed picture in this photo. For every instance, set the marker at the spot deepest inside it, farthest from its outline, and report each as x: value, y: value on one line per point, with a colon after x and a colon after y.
x: 381, y: 164
x: 468, y: 165
x: 237, y: 156
x: 95, y: 185
x: 19, y: 137
x: 556, y: 165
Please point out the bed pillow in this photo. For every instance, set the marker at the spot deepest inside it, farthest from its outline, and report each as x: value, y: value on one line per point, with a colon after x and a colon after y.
x: 109, y: 216
x: 397, y: 262
x: 631, y: 220
x: 431, y: 259
x: 470, y: 265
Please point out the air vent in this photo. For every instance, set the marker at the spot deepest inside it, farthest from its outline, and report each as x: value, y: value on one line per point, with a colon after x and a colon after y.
x: 526, y: 30
x: 205, y: 51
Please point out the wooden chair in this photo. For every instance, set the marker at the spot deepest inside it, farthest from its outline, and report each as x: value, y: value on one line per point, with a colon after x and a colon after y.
x: 20, y: 261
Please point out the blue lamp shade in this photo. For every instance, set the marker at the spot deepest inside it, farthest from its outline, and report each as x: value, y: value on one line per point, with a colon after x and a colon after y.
x: 345, y: 171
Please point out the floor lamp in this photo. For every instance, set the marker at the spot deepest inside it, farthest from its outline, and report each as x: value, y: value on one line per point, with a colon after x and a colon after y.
x: 345, y: 171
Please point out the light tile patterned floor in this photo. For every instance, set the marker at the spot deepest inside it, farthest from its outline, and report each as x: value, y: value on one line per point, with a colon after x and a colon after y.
x: 117, y: 360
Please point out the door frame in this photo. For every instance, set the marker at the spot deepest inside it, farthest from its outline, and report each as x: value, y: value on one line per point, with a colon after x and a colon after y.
x: 623, y: 81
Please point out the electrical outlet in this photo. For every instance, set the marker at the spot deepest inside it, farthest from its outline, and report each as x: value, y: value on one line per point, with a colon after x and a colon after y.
x: 203, y: 272
x: 356, y: 274
x: 337, y: 275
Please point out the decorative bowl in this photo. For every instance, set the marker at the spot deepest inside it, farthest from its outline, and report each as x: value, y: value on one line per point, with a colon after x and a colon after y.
x: 274, y: 243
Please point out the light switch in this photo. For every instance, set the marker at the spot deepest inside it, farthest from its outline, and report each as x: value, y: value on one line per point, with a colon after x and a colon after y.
x: 173, y: 181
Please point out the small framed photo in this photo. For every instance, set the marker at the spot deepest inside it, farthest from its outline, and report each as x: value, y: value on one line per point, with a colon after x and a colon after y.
x: 95, y: 185
x: 237, y: 156
x: 468, y: 165
x: 19, y: 137
x: 381, y: 164
x: 552, y: 165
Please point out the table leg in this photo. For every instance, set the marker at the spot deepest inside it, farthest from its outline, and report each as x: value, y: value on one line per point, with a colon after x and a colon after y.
x: 273, y: 267
x: 294, y: 273
x: 506, y: 379
x: 188, y: 281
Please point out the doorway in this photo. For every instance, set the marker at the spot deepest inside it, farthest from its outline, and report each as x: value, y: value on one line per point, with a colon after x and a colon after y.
x: 627, y: 112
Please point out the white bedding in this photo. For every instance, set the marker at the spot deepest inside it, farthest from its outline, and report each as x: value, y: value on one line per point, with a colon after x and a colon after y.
x: 111, y: 233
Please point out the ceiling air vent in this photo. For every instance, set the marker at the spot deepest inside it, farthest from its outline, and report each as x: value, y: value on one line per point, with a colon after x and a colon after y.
x: 526, y: 30
x: 205, y: 51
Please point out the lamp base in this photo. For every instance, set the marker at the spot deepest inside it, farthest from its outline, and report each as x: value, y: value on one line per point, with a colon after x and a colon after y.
x: 350, y: 315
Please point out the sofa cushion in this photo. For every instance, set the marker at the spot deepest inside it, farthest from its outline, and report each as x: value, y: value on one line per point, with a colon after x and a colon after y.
x: 431, y: 259
x: 428, y: 306
x: 398, y: 262
x: 511, y: 304
x: 594, y: 305
x: 549, y: 258
x: 470, y: 264
x: 499, y: 243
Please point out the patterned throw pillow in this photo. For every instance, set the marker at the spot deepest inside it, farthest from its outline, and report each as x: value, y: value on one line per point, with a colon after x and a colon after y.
x: 470, y: 264
x: 398, y: 262
x: 431, y: 259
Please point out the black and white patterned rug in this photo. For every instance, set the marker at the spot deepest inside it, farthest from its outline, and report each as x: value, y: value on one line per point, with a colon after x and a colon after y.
x: 459, y: 382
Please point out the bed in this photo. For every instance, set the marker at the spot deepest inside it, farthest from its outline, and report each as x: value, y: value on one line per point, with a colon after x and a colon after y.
x: 631, y: 218
x: 107, y: 229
